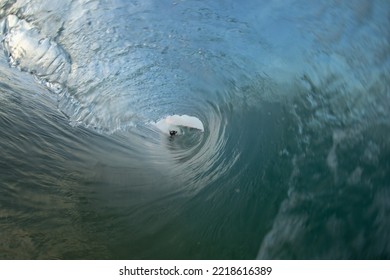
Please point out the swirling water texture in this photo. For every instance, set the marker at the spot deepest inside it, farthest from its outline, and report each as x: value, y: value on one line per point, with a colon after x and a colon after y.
x: 294, y: 97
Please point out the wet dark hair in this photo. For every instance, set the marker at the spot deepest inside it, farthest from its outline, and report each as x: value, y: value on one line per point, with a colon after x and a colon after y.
x: 172, y: 132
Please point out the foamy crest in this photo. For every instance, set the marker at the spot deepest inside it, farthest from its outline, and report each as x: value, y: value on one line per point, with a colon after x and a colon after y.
x: 32, y: 52
x: 175, y: 121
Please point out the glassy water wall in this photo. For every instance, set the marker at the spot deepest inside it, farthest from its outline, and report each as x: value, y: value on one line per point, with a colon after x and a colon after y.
x: 282, y: 113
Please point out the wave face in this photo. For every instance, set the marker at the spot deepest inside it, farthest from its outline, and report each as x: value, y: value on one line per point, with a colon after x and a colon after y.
x: 292, y: 161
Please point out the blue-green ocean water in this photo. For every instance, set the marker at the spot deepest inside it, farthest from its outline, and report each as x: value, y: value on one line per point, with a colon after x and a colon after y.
x: 294, y: 161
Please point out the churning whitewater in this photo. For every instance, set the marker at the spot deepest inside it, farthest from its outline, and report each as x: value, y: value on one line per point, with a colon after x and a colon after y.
x: 280, y: 112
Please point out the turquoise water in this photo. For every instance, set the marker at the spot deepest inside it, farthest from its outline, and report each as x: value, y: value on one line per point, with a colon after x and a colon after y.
x: 293, y: 163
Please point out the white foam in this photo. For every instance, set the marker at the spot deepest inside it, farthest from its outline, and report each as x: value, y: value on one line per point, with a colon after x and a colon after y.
x: 33, y: 52
x: 175, y: 121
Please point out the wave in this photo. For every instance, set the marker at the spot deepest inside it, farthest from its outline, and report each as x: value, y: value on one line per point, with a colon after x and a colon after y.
x: 175, y: 121
x: 282, y: 113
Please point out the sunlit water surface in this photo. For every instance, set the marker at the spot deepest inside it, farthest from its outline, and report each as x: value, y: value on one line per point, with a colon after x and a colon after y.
x: 293, y: 160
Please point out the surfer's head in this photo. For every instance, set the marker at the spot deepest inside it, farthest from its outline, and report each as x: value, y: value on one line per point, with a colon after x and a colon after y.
x: 172, y: 132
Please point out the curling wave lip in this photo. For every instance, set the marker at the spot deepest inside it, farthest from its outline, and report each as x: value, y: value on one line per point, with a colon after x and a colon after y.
x: 174, y: 121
